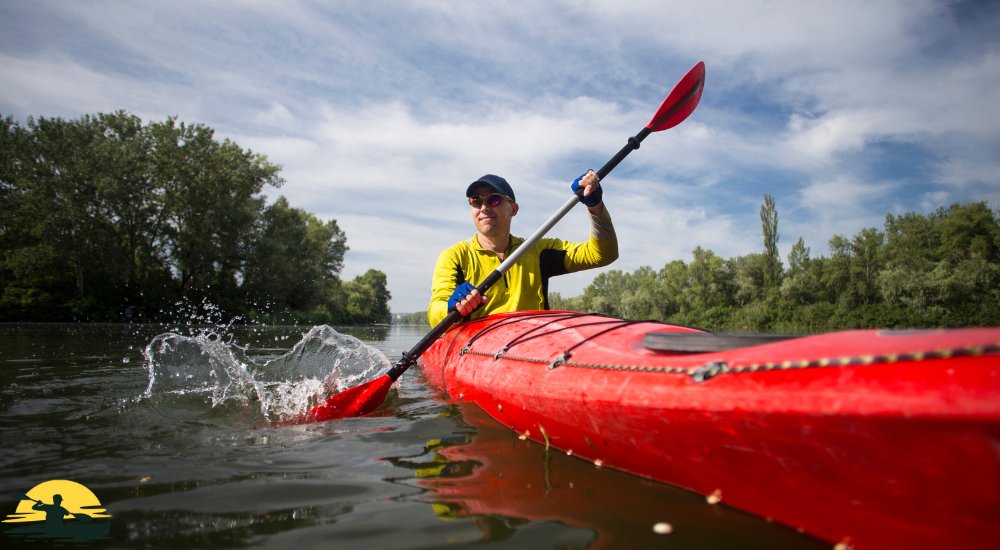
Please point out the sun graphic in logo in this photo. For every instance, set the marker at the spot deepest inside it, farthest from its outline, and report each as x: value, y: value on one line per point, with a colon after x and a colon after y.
x: 59, y: 509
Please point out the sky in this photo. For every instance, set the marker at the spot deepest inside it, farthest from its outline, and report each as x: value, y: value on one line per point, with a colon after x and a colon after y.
x: 382, y: 113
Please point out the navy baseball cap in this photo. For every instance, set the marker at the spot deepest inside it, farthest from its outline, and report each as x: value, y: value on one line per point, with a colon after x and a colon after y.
x: 496, y: 182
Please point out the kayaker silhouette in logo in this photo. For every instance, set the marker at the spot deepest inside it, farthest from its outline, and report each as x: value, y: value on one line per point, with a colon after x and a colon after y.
x: 54, y: 513
x: 81, y: 528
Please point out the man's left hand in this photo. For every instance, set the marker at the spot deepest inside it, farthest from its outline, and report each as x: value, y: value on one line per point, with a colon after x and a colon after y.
x: 591, y: 184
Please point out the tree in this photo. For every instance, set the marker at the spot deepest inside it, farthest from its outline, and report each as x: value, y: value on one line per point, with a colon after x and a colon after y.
x: 748, y: 277
x: 799, y: 284
x: 105, y: 211
x: 417, y: 318
x: 294, y: 261
x: 368, y: 298
x: 558, y: 303
x: 707, y: 281
x: 941, y: 269
x: 630, y: 295
x: 944, y: 266
x: 674, y: 279
x: 769, y: 227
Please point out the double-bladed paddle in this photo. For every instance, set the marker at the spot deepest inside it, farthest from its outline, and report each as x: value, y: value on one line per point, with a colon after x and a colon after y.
x: 367, y: 397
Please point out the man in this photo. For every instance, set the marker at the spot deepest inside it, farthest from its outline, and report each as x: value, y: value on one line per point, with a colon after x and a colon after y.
x: 54, y: 513
x: 525, y: 286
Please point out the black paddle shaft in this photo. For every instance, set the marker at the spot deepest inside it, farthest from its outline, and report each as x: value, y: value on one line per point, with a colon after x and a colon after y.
x: 633, y: 144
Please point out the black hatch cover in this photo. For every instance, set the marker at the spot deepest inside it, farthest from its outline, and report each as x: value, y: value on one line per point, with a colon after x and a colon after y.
x: 703, y: 342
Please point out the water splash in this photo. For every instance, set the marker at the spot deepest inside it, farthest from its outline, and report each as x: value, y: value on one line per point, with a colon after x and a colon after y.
x: 322, y: 363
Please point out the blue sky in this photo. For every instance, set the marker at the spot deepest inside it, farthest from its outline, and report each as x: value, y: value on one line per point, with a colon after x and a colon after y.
x: 382, y: 112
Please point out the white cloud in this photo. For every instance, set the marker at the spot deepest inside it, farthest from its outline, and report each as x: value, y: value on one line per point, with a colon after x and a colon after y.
x: 277, y: 116
x: 931, y: 201
x: 54, y: 85
x: 820, y: 139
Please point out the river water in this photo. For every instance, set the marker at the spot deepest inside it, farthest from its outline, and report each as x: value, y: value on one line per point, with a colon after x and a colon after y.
x: 182, y: 434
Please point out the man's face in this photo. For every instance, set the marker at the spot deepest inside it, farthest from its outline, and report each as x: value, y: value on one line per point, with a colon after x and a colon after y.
x: 492, y: 221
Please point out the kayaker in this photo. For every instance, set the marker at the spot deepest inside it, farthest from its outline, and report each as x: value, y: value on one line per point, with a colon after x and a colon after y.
x: 54, y: 513
x: 525, y: 286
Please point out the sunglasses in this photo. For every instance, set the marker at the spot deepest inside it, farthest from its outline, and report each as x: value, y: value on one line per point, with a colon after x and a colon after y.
x: 492, y: 200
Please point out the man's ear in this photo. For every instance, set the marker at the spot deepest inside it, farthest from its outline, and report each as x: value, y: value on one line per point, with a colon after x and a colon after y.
x: 513, y: 209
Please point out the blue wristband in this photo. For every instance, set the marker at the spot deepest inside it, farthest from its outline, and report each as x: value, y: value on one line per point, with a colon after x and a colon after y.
x: 460, y: 293
x: 595, y: 196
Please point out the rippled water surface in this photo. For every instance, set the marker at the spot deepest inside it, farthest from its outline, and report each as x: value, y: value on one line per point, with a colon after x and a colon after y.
x: 186, y: 438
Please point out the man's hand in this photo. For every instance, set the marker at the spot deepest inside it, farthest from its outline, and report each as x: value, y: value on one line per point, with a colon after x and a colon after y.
x: 466, y: 299
x: 592, y: 193
x: 471, y: 302
x: 589, y: 182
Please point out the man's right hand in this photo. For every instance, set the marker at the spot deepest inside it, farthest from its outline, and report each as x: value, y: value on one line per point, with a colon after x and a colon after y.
x: 466, y: 299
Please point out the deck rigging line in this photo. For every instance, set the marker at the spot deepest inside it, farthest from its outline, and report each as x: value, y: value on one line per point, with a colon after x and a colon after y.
x: 698, y: 374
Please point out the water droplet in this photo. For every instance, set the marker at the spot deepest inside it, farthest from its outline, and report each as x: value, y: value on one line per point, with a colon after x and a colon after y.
x: 663, y: 528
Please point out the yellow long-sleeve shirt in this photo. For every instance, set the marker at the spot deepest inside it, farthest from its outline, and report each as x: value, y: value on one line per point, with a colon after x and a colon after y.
x: 525, y: 286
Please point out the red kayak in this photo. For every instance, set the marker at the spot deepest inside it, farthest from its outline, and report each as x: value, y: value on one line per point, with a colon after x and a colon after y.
x: 873, y: 438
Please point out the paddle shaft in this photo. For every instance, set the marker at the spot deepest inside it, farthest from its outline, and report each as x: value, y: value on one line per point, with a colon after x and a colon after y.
x: 410, y: 357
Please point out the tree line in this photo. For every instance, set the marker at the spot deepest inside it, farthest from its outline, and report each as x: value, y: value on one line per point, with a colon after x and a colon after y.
x: 920, y: 270
x: 104, y: 214
x: 418, y: 318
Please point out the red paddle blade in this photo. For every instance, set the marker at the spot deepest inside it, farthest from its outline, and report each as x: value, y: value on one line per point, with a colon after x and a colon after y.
x: 681, y: 101
x: 356, y: 401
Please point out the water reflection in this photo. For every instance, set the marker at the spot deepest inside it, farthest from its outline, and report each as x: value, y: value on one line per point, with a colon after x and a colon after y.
x: 503, y: 482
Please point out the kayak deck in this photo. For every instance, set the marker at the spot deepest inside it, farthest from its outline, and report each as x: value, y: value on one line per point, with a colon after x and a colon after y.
x: 884, y: 438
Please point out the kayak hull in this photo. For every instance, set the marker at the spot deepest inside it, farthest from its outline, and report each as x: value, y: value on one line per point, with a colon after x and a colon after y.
x: 876, y: 453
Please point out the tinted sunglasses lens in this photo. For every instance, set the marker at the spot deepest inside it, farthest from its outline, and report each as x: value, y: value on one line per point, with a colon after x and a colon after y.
x: 491, y: 200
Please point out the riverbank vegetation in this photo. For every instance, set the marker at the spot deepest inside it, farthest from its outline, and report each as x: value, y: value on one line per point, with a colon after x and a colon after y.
x: 103, y: 215
x: 418, y: 318
x: 920, y: 270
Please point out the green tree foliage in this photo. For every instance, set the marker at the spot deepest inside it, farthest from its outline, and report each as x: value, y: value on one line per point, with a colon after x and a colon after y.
x: 104, y: 212
x: 294, y: 261
x: 418, y: 318
x: 769, y: 227
x: 944, y: 267
x: 368, y: 298
x: 941, y: 269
